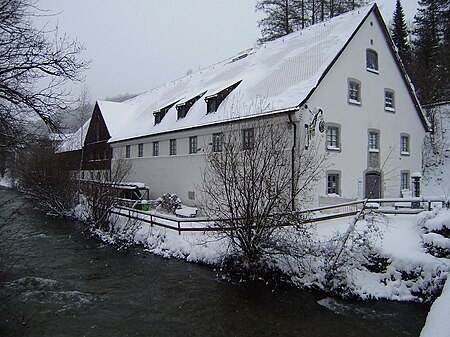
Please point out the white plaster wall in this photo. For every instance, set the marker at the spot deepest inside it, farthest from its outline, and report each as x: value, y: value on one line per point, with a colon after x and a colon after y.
x: 355, y: 121
x: 178, y: 173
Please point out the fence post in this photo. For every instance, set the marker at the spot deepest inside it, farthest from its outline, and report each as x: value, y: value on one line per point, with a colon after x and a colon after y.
x: 179, y: 227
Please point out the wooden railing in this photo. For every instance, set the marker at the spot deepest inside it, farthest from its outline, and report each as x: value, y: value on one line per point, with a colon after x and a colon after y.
x: 318, y: 214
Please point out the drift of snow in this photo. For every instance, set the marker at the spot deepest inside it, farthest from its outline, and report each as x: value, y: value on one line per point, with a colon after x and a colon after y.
x: 438, y: 323
x: 411, y: 274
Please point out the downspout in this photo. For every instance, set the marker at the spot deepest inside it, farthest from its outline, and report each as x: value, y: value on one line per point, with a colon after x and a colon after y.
x: 294, y: 141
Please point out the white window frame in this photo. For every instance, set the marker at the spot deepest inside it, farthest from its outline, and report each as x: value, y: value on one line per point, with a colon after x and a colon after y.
x: 155, y: 152
x: 405, y: 181
x: 354, y: 91
x: 217, y: 142
x: 374, y: 141
x: 140, y: 150
x: 193, y: 145
x: 373, y: 67
x: 248, y: 139
x: 333, y: 140
x: 404, y: 144
x: 389, y: 102
x: 128, y: 151
x: 172, y: 147
x: 336, y: 189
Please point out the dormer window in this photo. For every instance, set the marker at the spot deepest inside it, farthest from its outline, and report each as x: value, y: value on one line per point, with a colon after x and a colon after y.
x: 211, y: 104
x: 183, y: 108
x: 372, y: 60
x: 213, y: 101
x: 159, y: 114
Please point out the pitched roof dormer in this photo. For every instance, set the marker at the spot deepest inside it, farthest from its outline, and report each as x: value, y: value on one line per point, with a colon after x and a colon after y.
x: 213, y: 101
x: 183, y: 108
x: 160, y: 113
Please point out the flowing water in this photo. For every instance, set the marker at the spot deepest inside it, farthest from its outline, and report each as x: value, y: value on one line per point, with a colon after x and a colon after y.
x: 58, y: 281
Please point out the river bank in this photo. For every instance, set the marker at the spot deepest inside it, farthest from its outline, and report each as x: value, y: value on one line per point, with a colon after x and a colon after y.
x: 65, y: 282
x: 407, y: 271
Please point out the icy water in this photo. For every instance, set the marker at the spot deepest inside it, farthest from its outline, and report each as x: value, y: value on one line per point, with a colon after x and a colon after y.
x: 60, y: 282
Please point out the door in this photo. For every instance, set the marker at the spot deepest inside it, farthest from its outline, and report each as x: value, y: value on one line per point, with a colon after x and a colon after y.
x: 373, y: 185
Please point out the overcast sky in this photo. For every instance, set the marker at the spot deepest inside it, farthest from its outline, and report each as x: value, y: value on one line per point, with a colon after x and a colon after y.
x: 136, y: 45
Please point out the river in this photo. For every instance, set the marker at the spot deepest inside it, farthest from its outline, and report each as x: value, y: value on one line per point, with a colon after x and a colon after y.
x: 58, y: 281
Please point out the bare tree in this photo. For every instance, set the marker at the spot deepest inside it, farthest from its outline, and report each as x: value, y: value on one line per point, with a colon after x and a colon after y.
x: 82, y: 111
x: 45, y: 179
x: 35, y: 66
x: 252, y: 177
x: 101, y: 195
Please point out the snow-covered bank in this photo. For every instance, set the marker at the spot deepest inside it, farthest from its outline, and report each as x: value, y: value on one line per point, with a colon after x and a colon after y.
x: 438, y: 323
x: 408, y: 271
x: 6, y: 181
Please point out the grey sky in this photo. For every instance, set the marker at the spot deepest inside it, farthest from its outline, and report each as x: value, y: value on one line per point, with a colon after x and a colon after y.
x: 136, y: 45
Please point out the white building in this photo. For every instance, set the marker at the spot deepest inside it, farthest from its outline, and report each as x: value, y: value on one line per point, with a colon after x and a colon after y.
x: 347, y: 66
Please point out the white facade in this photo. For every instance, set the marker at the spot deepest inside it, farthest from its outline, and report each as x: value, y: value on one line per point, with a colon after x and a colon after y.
x: 355, y: 120
x: 385, y: 105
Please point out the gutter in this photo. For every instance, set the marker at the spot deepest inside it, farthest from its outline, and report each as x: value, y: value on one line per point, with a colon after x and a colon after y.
x: 294, y: 141
x: 213, y: 123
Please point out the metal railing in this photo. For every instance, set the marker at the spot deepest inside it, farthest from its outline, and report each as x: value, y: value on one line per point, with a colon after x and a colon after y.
x: 318, y: 214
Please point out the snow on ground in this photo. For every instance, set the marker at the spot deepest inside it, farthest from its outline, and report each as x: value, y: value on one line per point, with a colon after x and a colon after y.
x: 438, y: 323
x: 402, y: 244
x: 6, y: 181
x: 411, y: 273
x: 189, y: 246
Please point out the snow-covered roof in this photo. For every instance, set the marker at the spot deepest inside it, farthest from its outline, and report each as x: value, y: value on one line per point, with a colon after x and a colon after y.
x: 75, y: 140
x: 281, y: 73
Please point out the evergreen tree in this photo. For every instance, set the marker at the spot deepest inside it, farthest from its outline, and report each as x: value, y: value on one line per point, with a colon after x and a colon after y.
x: 279, y: 18
x: 285, y: 16
x: 399, y: 33
x: 428, y: 45
x: 445, y: 51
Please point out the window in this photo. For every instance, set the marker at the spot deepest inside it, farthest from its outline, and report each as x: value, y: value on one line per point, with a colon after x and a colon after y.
x: 159, y: 114
x: 211, y: 105
x: 183, y: 108
x: 333, y: 183
x: 140, y: 150
x: 191, y: 195
x: 404, y: 144
x: 372, y: 60
x: 128, y: 151
x: 217, y: 139
x: 97, y: 129
x: 213, y: 101
x: 374, y: 141
x: 173, y: 147
x: 333, y: 138
x: 155, y: 149
x: 193, y: 144
x: 248, y: 139
x: 389, y: 101
x: 404, y: 180
x: 354, y: 92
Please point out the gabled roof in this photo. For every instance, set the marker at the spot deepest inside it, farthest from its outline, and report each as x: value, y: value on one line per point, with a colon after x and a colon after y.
x: 75, y: 141
x: 282, y: 74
